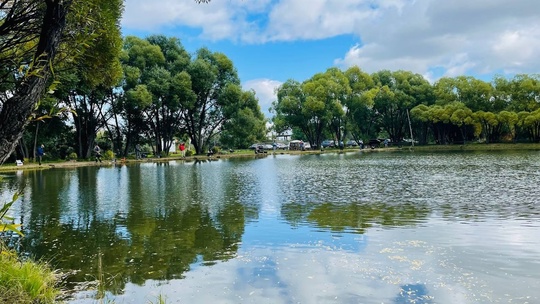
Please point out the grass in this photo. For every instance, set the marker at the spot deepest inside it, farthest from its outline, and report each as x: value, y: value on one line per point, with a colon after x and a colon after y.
x: 25, y: 281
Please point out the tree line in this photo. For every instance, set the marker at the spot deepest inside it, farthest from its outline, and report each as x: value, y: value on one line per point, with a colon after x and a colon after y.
x: 38, y: 39
x: 153, y: 93
x: 353, y: 104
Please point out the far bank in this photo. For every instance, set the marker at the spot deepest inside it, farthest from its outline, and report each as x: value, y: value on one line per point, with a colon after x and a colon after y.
x: 251, y: 154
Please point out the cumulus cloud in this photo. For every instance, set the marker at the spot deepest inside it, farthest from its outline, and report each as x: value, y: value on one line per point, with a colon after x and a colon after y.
x: 265, y: 90
x: 462, y: 36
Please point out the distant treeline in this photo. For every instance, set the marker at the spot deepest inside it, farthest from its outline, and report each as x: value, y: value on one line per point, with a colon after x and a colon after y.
x: 352, y: 104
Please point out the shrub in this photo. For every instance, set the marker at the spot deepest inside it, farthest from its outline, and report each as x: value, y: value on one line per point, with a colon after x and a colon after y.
x: 72, y: 156
x: 108, y: 155
x: 216, y: 149
x: 189, y: 153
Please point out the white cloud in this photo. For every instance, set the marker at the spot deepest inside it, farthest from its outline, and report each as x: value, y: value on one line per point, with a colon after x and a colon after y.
x: 265, y: 90
x: 461, y: 36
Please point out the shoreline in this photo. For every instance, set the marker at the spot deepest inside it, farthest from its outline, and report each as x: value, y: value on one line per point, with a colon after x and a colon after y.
x: 467, y: 147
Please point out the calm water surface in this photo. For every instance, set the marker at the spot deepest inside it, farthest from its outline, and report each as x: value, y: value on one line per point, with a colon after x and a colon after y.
x: 403, y: 227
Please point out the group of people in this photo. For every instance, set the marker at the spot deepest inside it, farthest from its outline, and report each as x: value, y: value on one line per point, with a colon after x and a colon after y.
x: 40, y: 152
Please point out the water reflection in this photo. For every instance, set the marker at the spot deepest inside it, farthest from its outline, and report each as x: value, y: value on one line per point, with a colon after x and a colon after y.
x: 347, y: 228
x: 354, y: 217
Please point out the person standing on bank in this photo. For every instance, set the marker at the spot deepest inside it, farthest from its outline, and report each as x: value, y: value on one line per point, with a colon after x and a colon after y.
x: 97, y: 151
x: 138, y: 151
x: 182, y: 149
x: 40, y: 153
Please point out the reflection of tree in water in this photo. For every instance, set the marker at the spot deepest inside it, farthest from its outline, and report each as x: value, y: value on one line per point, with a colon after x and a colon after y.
x: 354, y: 216
x: 139, y: 247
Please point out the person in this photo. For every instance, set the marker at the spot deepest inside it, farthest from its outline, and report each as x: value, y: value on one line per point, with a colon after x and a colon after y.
x: 138, y: 151
x: 40, y: 153
x: 97, y: 151
x: 182, y: 149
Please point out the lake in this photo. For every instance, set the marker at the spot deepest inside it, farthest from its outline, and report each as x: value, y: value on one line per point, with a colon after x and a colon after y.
x: 375, y: 227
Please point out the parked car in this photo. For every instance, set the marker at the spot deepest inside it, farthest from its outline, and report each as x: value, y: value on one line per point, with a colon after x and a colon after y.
x: 299, y: 145
x: 374, y: 143
x: 352, y: 143
x: 281, y: 146
x: 327, y: 143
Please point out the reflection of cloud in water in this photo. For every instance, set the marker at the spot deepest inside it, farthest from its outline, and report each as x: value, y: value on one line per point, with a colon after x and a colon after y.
x: 389, y: 272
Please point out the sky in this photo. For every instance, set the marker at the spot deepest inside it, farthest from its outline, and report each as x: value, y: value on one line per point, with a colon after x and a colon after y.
x: 271, y: 41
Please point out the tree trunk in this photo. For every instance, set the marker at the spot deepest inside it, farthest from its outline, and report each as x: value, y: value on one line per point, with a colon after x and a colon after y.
x: 16, y: 110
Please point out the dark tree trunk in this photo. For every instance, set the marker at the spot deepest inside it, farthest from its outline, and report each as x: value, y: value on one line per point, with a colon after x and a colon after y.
x: 16, y: 110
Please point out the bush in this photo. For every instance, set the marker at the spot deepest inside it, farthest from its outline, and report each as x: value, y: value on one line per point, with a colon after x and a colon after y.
x: 189, y: 153
x: 72, y: 156
x: 108, y: 155
x: 216, y: 150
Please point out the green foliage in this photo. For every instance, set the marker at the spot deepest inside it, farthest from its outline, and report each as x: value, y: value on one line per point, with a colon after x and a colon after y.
x: 108, y: 155
x: 216, y: 150
x: 25, y: 281
x: 72, y: 156
x: 189, y: 152
x: 6, y: 222
x: 246, y: 124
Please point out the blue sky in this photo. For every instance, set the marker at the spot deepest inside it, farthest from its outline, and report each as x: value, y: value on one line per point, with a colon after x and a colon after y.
x: 271, y: 41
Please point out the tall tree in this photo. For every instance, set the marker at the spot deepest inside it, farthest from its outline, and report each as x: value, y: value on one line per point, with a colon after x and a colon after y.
x: 246, y: 123
x: 399, y: 92
x: 31, y: 36
x: 156, y: 65
x: 29, y: 87
x: 359, y: 104
x: 213, y: 76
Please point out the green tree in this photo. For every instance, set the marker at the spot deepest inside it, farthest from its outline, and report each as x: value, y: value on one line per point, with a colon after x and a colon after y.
x: 509, y: 121
x: 246, y: 124
x: 155, y: 67
x: 325, y: 104
x: 213, y: 77
x: 491, y: 126
x: 288, y: 107
x: 31, y: 36
x: 525, y: 93
x: 360, y: 118
x: 399, y: 91
x: 529, y: 123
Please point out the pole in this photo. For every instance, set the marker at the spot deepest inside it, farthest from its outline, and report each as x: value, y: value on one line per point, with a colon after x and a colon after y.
x: 410, y: 127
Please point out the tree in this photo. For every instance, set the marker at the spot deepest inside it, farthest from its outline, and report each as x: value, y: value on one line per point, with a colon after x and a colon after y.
x: 32, y: 33
x: 213, y: 78
x: 29, y: 87
x: 491, y: 126
x: 288, y: 107
x: 246, y: 124
x: 31, y: 36
x: 360, y: 118
x: 399, y: 91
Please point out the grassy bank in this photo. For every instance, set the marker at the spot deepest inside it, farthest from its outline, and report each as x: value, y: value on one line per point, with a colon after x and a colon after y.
x: 25, y: 281
x: 250, y: 153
